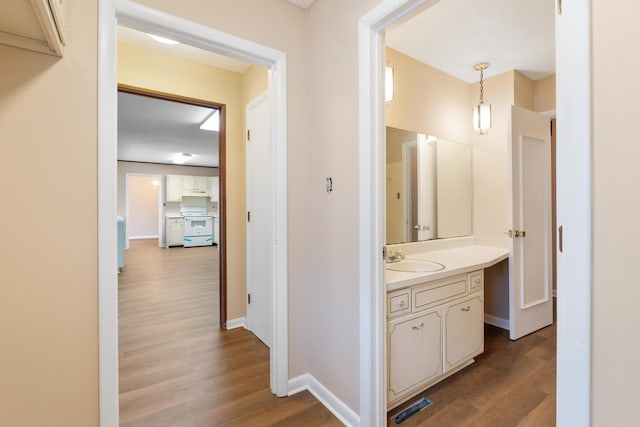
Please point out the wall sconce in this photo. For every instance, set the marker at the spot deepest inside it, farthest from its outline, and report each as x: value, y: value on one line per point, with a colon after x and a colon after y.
x: 482, y: 111
x: 388, y: 84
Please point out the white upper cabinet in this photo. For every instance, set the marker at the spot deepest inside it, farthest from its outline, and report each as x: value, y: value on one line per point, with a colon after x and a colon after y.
x: 174, y: 188
x: 188, y: 185
x: 214, y: 191
x: 36, y: 25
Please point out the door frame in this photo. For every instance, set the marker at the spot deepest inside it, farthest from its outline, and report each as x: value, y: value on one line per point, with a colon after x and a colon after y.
x: 573, y: 45
x: 144, y: 18
x: 126, y: 202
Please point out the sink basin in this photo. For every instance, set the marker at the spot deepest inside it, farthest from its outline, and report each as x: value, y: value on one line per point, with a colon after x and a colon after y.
x: 415, y: 266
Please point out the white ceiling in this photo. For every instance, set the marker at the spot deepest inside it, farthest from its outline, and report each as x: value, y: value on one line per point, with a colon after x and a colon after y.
x: 454, y: 35
x: 154, y: 130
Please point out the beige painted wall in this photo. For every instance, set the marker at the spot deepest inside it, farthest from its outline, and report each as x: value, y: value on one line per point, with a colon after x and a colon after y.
x: 523, y: 91
x: 48, y: 291
x: 544, y: 94
x: 143, y: 206
x: 616, y: 209
x: 427, y: 100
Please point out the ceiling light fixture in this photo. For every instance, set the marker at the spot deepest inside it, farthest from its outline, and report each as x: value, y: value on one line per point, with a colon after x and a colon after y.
x: 163, y: 40
x: 212, y: 123
x: 482, y: 111
x: 182, y: 158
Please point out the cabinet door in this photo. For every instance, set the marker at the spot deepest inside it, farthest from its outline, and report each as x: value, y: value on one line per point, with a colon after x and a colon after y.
x: 175, y: 235
x: 174, y: 188
x: 201, y: 184
x: 415, y: 352
x: 188, y: 183
x: 464, y: 326
x: 214, y: 188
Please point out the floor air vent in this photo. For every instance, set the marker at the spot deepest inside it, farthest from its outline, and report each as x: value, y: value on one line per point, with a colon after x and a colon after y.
x: 411, y: 410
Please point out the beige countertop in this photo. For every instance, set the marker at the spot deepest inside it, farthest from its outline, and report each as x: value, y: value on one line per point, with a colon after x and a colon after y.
x: 456, y: 261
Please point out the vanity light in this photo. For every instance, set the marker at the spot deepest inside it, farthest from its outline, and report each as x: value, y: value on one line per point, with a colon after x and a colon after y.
x: 482, y: 111
x: 182, y: 158
x: 213, y: 122
x: 162, y: 40
x: 388, y: 84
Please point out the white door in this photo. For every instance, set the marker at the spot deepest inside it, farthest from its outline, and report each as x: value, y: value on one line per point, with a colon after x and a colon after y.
x: 531, y: 304
x: 259, y: 219
x: 426, y: 187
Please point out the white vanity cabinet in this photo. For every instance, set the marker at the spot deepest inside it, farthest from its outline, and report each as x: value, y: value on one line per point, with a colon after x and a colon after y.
x: 434, y: 329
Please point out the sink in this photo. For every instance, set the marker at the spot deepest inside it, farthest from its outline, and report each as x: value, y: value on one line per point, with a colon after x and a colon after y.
x: 415, y: 266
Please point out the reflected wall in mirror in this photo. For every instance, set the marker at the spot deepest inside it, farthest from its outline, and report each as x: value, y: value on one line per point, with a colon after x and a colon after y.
x: 428, y: 187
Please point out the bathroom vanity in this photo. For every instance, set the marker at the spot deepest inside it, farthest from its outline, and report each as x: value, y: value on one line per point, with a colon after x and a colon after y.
x: 435, y: 319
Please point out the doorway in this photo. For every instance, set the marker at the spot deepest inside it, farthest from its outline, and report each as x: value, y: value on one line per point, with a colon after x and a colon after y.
x: 143, y: 206
x: 147, y: 19
x: 572, y: 30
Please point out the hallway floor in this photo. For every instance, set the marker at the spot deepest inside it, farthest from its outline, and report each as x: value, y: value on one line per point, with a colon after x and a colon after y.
x: 177, y: 368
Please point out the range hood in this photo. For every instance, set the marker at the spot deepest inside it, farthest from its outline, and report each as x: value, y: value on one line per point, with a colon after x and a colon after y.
x: 199, y: 194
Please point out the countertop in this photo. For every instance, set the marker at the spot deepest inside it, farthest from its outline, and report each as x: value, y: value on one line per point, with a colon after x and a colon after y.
x: 456, y: 261
x: 179, y: 215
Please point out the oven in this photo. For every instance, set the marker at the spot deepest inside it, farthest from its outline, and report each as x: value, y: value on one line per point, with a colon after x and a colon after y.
x: 198, y: 230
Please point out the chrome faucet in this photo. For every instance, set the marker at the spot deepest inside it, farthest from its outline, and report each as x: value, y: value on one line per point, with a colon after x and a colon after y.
x: 395, y: 256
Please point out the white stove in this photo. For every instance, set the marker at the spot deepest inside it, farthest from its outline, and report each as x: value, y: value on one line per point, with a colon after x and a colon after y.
x: 198, y: 226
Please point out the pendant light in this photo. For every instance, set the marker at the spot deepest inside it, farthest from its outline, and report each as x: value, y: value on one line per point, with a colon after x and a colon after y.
x: 482, y: 111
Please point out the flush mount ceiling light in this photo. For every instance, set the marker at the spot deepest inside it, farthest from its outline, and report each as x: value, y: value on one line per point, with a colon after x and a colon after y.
x: 182, y: 158
x: 482, y: 111
x: 163, y: 40
x: 213, y: 122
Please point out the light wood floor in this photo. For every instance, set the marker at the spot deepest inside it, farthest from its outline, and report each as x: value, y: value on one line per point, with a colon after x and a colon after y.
x: 513, y: 383
x: 177, y: 368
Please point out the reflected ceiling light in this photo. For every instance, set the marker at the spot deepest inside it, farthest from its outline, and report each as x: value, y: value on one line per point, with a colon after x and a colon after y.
x: 388, y: 84
x: 213, y: 122
x: 163, y: 40
x: 182, y: 158
x: 482, y: 111
x: 155, y: 182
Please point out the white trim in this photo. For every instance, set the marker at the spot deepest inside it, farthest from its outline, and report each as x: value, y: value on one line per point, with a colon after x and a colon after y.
x: 238, y: 322
x: 372, y: 213
x: 496, y: 321
x: 142, y: 237
x: 337, y: 407
x: 150, y: 20
x: 574, y: 213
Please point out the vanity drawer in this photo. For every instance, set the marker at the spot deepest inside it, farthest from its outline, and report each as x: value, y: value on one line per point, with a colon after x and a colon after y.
x: 438, y: 293
x: 476, y: 280
x: 398, y: 303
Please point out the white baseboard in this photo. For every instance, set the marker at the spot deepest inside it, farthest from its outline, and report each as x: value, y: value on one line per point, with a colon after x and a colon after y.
x: 236, y: 323
x: 142, y: 237
x: 496, y: 321
x: 328, y: 399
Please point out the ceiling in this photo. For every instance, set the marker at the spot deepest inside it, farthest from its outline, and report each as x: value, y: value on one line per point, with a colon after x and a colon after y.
x: 155, y: 130
x: 454, y: 35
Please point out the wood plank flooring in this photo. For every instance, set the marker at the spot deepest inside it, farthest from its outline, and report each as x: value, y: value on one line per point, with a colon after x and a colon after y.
x: 513, y: 383
x: 177, y: 368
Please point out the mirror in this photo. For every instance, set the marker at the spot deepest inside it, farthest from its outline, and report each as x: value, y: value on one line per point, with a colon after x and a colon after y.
x: 428, y: 187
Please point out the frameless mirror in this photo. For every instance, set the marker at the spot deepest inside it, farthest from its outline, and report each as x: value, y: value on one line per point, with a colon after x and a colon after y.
x: 428, y: 187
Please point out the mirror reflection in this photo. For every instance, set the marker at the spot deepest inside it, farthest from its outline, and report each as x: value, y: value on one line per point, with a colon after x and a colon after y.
x: 428, y: 187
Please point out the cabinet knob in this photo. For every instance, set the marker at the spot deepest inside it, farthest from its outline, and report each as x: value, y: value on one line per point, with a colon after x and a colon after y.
x: 477, y: 281
x: 417, y: 328
x: 401, y: 303
x: 467, y: 308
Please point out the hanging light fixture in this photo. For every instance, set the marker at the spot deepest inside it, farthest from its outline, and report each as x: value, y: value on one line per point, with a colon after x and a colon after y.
x: 482, y: 111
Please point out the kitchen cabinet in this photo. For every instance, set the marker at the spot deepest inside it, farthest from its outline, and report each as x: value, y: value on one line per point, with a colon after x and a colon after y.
x: 37, y: 25
x: 434, y: 329
x: 175, y: 231
x: 174, y: 188
x: 213, y: 186
x: 195, y: 184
